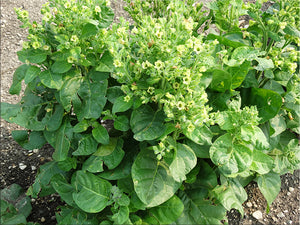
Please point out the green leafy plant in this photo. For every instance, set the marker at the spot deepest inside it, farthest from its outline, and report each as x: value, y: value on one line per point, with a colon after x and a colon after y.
x: 15, y: 205
x: 154, y: 122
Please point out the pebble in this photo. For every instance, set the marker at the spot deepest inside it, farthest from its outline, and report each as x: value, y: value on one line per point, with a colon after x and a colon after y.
x: 280, y: 215
x: 33, y: 168
x: 35, y: 150
x: 249, y: 204
x: 43, y: 219
x: 286, y: 211
x: 291, y: 189
x: 257, y: 215
x: 288, y: 193
x: 22, y: 166
x: 290, y: 222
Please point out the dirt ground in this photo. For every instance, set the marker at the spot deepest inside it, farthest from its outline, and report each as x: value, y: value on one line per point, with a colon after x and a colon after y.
x: 20, y: 166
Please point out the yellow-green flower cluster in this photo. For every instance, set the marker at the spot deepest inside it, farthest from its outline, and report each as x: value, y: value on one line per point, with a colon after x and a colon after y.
x: 160, y: 66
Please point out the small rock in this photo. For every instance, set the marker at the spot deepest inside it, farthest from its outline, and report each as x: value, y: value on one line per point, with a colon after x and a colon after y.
x: 32, y: 200
x: 43, y: 219
x: 22, y: 166
x: 290, y: 222
x: 249, y: 204
x: 257, y: 215
x: 291, y: 189
x: 280, y: 215
x: 36, y: 150
x: 53, y: 217
x: 33, y: 168
x: 286, y: 211
x: 288, y: 193
x: 274, y: 218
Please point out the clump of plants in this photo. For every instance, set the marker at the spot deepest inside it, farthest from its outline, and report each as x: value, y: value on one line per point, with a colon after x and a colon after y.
x: 154, y: 122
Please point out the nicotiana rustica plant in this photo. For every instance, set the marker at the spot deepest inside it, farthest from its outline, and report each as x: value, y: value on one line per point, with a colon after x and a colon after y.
x: 155, y: 122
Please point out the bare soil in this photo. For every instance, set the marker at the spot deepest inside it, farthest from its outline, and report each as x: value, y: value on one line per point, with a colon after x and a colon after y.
x: 20, y: 166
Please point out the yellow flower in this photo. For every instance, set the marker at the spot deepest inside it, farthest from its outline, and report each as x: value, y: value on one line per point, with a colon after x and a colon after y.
x: 97, y: 9
x: 117, y: 63
x: 180, y: 105
x: 67, y: 5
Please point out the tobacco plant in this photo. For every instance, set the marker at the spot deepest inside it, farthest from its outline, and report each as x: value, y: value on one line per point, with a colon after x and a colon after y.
x: 155, y: 122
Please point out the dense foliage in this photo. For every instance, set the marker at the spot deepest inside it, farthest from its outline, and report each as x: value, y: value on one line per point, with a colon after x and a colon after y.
x: 163, y: 120
x: 15, y: 205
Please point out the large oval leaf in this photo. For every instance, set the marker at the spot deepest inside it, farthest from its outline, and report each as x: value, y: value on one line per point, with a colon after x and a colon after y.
x: 152, y: 179
x: 269, y: 185
x: 167, y: 212
x: 147, y: 124
x: 94, y: 194
x: 185, y: 160
x: 229, y: 157
x: 268, y: 102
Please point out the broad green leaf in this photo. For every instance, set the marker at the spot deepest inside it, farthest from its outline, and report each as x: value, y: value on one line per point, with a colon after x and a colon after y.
x: 238, y: 74
x: 147, y: 124
x: 93, y: 99
x: 201, y: 151
x: 106, y: 63
x: 120, y: 105
x: 231, y: 195
x: 18, y: 77
x: 56, y: 118
x: 200, y: 135
x: 113, y: 144
x: 42, y: 180
x: 94, y: 194
x: 62, y: 141
x: 221, y: 80
x: 115, y: 158
x: 86, y: 146
x: 167, y: 212
x: 152, y: 179
x: 197, y: 210
x: 184, y: 161
x: 32, y: 72
x: 14, y: 219
x: 93, y: 164
x: 74, y: 216
x: 97, y: 76
x: 14, y: 194
x: 207, y: 177
x: 63, y: 188
x: 107, y: 17
x: 68, y: 164
x: 289, y: 29
x: 122, y: 123
x: 230, y: 158
x: 29, y: 141
x: 277, y: 125
x: 256, y: 136
x: 228, y: 41
x: 262, y: 163
x: 113, y: 93
x: 121, y: 216
x: 269, y: 185
x: 89, y: 29
x: 27, y: 113
x: 51, y: 80
x: 122, y: 171
x: 61, y: 67
x: 68, y: 91
x: 32, y: 55
x: 101, y: 134
x: 81, y: 126
x: 264, y: 64
x: 268, y: 103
